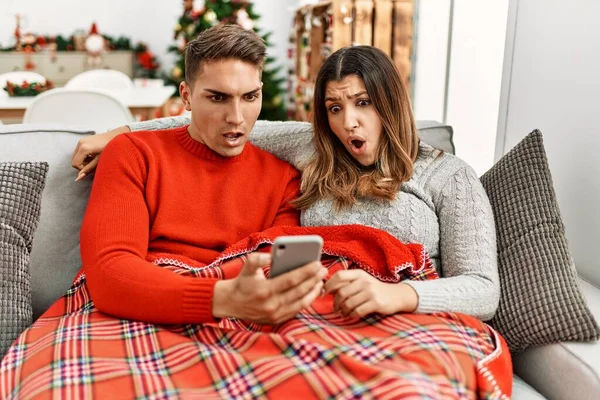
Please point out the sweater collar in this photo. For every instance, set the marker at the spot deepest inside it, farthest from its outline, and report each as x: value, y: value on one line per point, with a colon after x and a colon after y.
x: 203, y: 151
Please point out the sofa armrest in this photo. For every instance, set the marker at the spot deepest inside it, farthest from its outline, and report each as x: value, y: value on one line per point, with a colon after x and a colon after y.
x: 565, y: 370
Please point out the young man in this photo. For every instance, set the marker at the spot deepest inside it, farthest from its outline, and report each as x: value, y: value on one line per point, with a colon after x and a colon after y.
x: 186, y: 194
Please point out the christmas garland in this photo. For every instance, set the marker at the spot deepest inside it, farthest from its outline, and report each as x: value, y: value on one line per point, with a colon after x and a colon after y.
x: 27, y: 88
x: 147, y: 65
x: 60, y: 43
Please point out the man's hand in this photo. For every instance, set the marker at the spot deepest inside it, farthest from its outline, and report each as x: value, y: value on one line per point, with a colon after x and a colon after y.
x: 358, y: 294
x: 87, y: 152
x: 252, y: 297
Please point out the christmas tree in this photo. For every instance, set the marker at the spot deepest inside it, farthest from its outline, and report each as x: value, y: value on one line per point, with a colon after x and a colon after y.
x: 197, y: 18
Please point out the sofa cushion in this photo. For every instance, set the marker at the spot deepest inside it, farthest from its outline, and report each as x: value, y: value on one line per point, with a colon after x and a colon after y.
x: 21, y: 186
x: 540, y: 301
x: 438, y: 136
x: 55, y: 255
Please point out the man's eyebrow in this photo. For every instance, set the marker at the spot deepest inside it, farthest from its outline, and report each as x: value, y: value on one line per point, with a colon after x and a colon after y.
x: 252, y: 91
x: 216, y: 92
x: 355, y: 95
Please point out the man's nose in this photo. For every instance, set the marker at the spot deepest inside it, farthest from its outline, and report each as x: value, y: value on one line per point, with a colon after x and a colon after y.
x: 234, y: 114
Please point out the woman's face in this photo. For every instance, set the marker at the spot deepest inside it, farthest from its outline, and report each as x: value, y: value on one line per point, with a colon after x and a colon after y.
x: 353, y: 118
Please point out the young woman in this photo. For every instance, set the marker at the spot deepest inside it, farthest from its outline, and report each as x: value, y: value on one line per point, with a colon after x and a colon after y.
x: 363, y: 163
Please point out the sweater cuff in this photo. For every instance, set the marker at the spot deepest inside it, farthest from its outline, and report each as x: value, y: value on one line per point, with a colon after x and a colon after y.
x: 431, y: 296
x: 198, y: 299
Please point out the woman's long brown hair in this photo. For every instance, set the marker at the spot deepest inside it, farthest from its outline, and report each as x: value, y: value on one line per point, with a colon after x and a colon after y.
x: 333, y: 173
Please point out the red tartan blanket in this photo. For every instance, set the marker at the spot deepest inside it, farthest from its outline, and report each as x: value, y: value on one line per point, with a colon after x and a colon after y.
x: 74, y: 351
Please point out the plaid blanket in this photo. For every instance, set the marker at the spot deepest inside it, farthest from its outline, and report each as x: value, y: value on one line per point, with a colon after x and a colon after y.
x: 73, y: 351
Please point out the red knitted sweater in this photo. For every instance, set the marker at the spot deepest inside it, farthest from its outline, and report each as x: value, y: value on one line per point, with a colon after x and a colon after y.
x: 163, y: 192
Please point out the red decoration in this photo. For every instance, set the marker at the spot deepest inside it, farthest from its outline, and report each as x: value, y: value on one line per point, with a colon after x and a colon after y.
x: 18, y: 30
x: 29, y: 64
x: 147, y: 61
x: 94, y: 29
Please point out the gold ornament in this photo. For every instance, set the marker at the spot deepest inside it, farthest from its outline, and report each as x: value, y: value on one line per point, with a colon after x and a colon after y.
x: 277, y: 100
x: 176, y: 73
x: 178, y: 27
x: 210, y: 16
x: 191, y: 29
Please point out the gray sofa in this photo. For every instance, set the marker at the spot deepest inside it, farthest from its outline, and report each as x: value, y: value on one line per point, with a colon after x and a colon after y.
x: 561, y: 371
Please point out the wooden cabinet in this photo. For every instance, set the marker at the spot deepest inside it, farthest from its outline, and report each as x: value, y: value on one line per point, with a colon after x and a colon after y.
x: 16, y: 61
x: 59, y: 67
x: 118, y: 60
x: 324, y: 27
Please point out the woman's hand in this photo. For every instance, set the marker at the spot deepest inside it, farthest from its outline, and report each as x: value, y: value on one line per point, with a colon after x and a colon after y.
x: 87, y: 152
x: 358, y: 294
x: 252, y: 297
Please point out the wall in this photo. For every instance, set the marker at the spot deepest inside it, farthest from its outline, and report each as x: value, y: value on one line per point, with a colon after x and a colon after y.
x: 551, y: 82
x: 150, y: 21
x: 467, y: 94
x: 475, y: 78
x: 431, y: 40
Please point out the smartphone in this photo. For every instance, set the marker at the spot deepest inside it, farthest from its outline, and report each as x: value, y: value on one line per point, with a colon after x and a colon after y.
x: 291, y: 252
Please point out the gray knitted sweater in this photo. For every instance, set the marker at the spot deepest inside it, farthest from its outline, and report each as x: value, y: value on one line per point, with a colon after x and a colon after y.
x: 443, y: 206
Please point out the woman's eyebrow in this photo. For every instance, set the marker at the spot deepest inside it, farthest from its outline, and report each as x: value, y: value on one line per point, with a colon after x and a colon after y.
x: 353, y: 96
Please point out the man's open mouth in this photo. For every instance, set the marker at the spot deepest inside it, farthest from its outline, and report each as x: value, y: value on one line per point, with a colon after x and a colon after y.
x: 233, y: 139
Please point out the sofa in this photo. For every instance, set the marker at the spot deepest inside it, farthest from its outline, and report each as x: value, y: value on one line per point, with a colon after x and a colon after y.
x: 556, y: 371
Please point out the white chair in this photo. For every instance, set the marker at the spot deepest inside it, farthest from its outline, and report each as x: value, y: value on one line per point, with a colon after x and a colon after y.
x: 105, y: 79
x: 18, y: 77
x: 90, y: 108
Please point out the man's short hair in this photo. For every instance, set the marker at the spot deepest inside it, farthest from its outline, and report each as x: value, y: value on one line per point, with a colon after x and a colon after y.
x: 221, y: 42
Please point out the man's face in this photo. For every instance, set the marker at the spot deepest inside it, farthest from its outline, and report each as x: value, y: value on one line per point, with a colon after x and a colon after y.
x: 225, y: 101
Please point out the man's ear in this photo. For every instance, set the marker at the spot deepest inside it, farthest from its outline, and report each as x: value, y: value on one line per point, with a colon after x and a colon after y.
x: 186, y: 95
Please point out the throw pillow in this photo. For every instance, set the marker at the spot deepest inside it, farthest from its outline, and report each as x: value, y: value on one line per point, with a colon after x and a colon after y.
x: 540, y: 301
x: 21, y: 185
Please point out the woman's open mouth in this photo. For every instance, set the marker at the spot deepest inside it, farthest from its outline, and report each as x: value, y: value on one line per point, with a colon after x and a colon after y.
x: 358, y: 146
x: 358, y: 143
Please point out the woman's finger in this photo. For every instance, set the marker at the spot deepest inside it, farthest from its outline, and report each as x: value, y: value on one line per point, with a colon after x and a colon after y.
x: 353, y: 302
x: 78, y: 157
x: 345, y: 293
x: 364, y: 309
x: 73, y: 160
x: 88, y: 168
x: 340, y: 279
